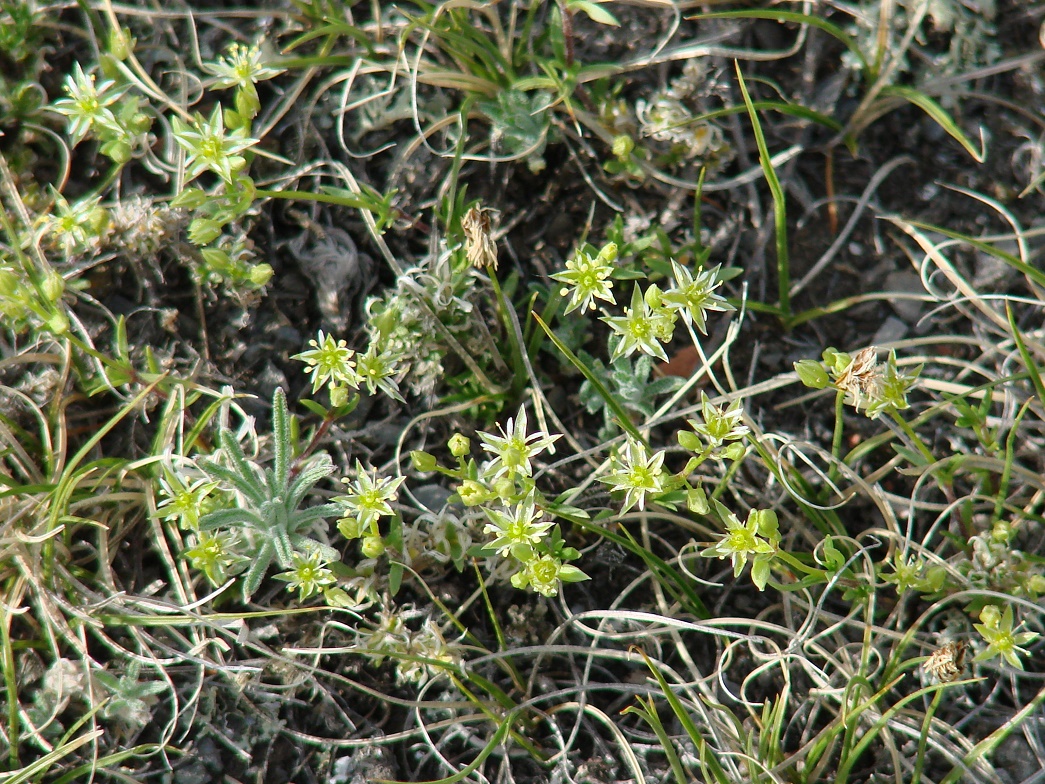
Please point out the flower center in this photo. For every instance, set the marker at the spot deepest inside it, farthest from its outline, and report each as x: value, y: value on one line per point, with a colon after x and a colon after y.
x: 741, y: 540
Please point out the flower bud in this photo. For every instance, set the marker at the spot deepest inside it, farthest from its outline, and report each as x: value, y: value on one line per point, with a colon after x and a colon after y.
x: 118, y: 150
x: 384, y: 321
x: 216, y: 260
x: 53, y: 287
x: 812, y: 374
x: 1001, y: 532
x: 623, y: 146
x: 190, y: 198
x: 260, y: 274
x: 734, y: 451
x: 203, y: 231
x: 766, y: 523
x: 504, y: 488
x: 336, y: 597
x: 372, y: 546
x: 58, y: 323
x: 247, y: 104
x: 697, y: 501
x: 423, y: 462
x: 459, y: 445
x: 350, y: 528
x: 608, y: 254
x: 472, y: 493
x: 10, y: 284
x: 121, y: 43
x: 338, y: 395
x: 98, y: 220
x: 991, y: 616
x: 690, y: 441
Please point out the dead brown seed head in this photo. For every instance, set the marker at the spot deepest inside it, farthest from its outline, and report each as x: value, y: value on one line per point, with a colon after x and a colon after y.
x: 479, y: 246
x: 947, y: 663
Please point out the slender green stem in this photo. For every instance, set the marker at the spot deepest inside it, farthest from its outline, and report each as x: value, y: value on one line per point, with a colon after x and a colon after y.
x: 914, y: 437
x: 520, y: 377
x: 836, y: 439
x: 923, y: 739
x: 698, y: 219
x: 727, y: 480
x: 327, y: 198
x: 1010, y: 455
x: 995, y: 739
x: 455, y: 170
x: 482, y: 706
x: 13, y: 722
x: 790, y: 560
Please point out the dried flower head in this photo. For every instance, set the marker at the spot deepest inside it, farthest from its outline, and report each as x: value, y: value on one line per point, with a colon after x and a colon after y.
x: 869, y: 386
x: 862, y: 378
x: 947, y: 663
x: 479, y: 246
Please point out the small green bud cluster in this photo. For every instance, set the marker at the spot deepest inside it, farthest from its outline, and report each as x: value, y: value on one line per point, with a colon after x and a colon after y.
x: 666, y: 117
x: 521, y: 520
x: 757, y: 539
x: 32, y: 300
x: 242, y: 68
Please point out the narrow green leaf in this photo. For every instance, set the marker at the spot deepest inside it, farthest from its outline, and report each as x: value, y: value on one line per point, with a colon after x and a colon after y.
x: 1033, y: 273
x: 281, y: 437
x: 123, y: 350
x: 938, y: 114
x: 244, y: 485
x: 707, y: 757
x: 256, y: 572
x: 791, y: 109
x: 647, y: 710
x: 779, y: 205
x: 332, y: 29
x: 792, y: 16
x: 680, y: 587
x: 495, y: 740
x: 621, y: 416
x: 594, y: 11
x: 314, y: 407
x: 1028, y: 360
x: 395, y: 568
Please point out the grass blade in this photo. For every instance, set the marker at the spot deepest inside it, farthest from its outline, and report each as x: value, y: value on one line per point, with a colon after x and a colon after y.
x: 791, y: 16
x: 937, y: 113
x: 779, y: 205
x: 618, y: 411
